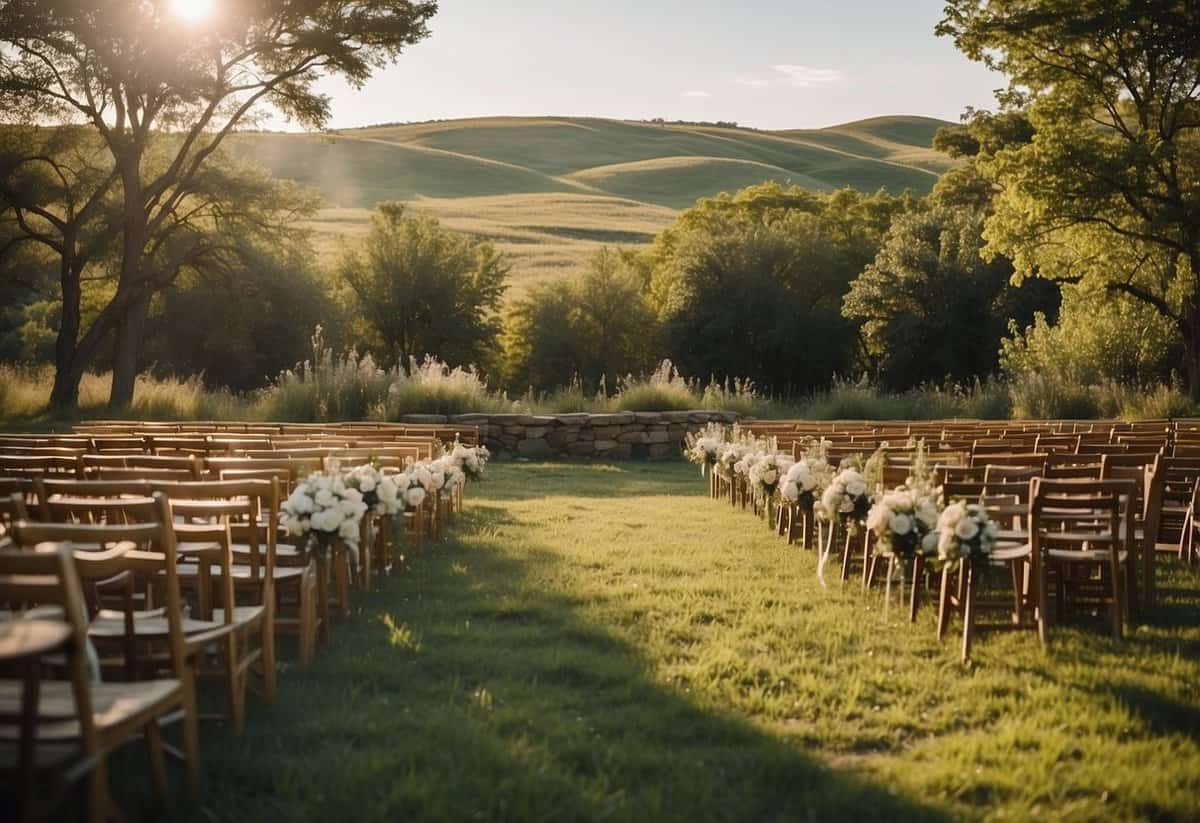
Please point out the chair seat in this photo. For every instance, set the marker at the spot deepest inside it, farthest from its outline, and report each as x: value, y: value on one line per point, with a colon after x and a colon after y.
x: 113, y: 705
x: 202, y: 547
x: 1085, y: 555
x: 149, y: 624
x: 1008, y: 553
x: 241, y: 573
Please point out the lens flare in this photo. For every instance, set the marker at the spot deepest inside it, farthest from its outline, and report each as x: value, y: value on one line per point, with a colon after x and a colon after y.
x: 193, y: 10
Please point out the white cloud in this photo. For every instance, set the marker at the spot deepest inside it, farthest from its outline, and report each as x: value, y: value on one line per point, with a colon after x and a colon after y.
x: 696, y: 94
x: 806, y: 77
x: 750, y: 80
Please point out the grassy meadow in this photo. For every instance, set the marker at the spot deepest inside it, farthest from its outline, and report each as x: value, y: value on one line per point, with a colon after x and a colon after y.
x: 549, y: 191
x: 603, y: 642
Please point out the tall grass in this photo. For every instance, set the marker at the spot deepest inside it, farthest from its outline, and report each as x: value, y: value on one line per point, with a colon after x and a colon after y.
x: 349, y: 386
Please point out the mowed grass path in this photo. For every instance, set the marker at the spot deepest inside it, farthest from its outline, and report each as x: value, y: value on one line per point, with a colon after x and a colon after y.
x: 605, y: 643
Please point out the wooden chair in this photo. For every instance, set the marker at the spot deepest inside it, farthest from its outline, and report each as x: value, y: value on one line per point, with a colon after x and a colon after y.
x: 959, y: 587
x: 57, y: 732
x: 1079, y: 532
x: 155, y: 642
x: 100, y: 520
x: 288, y: 592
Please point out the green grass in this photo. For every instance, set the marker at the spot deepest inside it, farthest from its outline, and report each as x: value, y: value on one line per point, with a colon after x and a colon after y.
x: 602, y: 642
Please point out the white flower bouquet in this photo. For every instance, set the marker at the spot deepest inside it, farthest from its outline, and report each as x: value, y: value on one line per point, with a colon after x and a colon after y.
x: 764, y: 471
x: 905, y: 523
x: 379, y: 491
x: 470, y: 460
x: 805, y: 480
x: 965, y: 532
x: 703, y: 447
x: 412, y: 492
x: 323, y: 510
x: 846, y: 498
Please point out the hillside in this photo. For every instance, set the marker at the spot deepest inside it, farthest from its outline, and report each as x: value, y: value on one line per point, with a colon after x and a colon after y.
x: 550, y: 190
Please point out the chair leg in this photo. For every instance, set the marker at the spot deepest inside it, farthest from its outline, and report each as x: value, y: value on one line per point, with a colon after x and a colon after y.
x: 268, y: 646
x: 968, y: 610
x: 1015, y: 568
x: 943, y: 605
x: 1119, y: 594
x: 158, y: 762
x: 98, y: 802
x: 191, y: 737
x: 235, y: 686
x: 1040, y: 582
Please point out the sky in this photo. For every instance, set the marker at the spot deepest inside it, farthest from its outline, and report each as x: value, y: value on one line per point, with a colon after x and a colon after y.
x: 771, y: 64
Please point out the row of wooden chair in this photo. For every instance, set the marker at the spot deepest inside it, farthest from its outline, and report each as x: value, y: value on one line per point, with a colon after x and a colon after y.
x: 174, y: 569
x: 1156, y: 496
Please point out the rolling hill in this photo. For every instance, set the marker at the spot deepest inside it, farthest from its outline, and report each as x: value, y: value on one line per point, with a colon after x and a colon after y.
x: 548, y: 191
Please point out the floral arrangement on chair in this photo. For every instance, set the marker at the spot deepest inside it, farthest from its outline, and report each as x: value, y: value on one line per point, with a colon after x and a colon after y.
x: 965, y: 532
x: 845, y: 499
x: 323, y: 510
x: 703, y: 447
x: 471, y: 460
x: 379, y: 491
x: 905, y: 523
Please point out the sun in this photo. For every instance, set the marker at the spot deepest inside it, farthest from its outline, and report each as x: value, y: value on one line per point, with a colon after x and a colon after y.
x: 193, y: 10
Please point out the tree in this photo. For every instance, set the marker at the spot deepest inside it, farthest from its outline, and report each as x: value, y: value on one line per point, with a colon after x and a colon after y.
x: 234, y: 217
x: 1104, y: 192
x: 751, y: 284
x: 421, y: 289
x: 145, y: 79
x: 593, y: 326
x: 931, y: 307
x: 269, y: 301
x: 56, y: 210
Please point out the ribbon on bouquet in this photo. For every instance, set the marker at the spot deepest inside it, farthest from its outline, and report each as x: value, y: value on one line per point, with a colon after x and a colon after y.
x: 824, y: 548
x: 893, y: 564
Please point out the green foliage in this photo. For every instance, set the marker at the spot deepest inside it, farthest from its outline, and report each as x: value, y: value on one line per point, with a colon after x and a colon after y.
x: 1103, y: 191
x: 1098, y: 338
x: 593, y: 327
x: 931, y: 309
x: 421, y: 289
x: 751, y: 284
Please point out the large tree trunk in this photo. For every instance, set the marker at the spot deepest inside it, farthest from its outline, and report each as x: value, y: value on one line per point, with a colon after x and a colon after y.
x: 64, y: 396
x: 126, y: 351
x: 131, y: 321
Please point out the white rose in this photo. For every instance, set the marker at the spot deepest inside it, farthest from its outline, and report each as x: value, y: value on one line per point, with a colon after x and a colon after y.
x: 846, y: 506
x: 927, y: 513
x: 856, y: 486
x: 966, y: 528
x: 900, y: 524
x: 366, y: 484
x: 878, y: 517
x: 353, y: 495
x: 324, y: 498
x: 414, y: 496
x: 791, y: 491
x: 349, y: 531
x: 299, y: 502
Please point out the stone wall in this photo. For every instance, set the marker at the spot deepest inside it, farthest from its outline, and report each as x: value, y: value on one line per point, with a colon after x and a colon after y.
x: 617, y: 436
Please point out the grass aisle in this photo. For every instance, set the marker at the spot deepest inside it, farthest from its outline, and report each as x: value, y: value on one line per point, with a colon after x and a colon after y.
x: 603, y: 642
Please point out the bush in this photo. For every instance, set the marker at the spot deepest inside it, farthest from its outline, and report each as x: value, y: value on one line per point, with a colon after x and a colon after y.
x: 327, y: 387
x: 665, y: 389
x: 432, y: 387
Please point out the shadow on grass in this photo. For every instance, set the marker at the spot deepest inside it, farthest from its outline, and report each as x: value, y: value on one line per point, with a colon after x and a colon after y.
x: 468, y: 690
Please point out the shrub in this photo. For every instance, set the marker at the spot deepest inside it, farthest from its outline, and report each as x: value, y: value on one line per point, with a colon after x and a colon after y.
x: 327, y: 387
x: 432, y: 387
x: 665, y: 389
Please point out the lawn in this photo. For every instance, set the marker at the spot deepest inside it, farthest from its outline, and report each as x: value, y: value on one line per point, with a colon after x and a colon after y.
x: 604, y: 642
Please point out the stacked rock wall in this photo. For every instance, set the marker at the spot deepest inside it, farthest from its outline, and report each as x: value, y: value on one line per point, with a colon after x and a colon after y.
x: 616, y: 436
